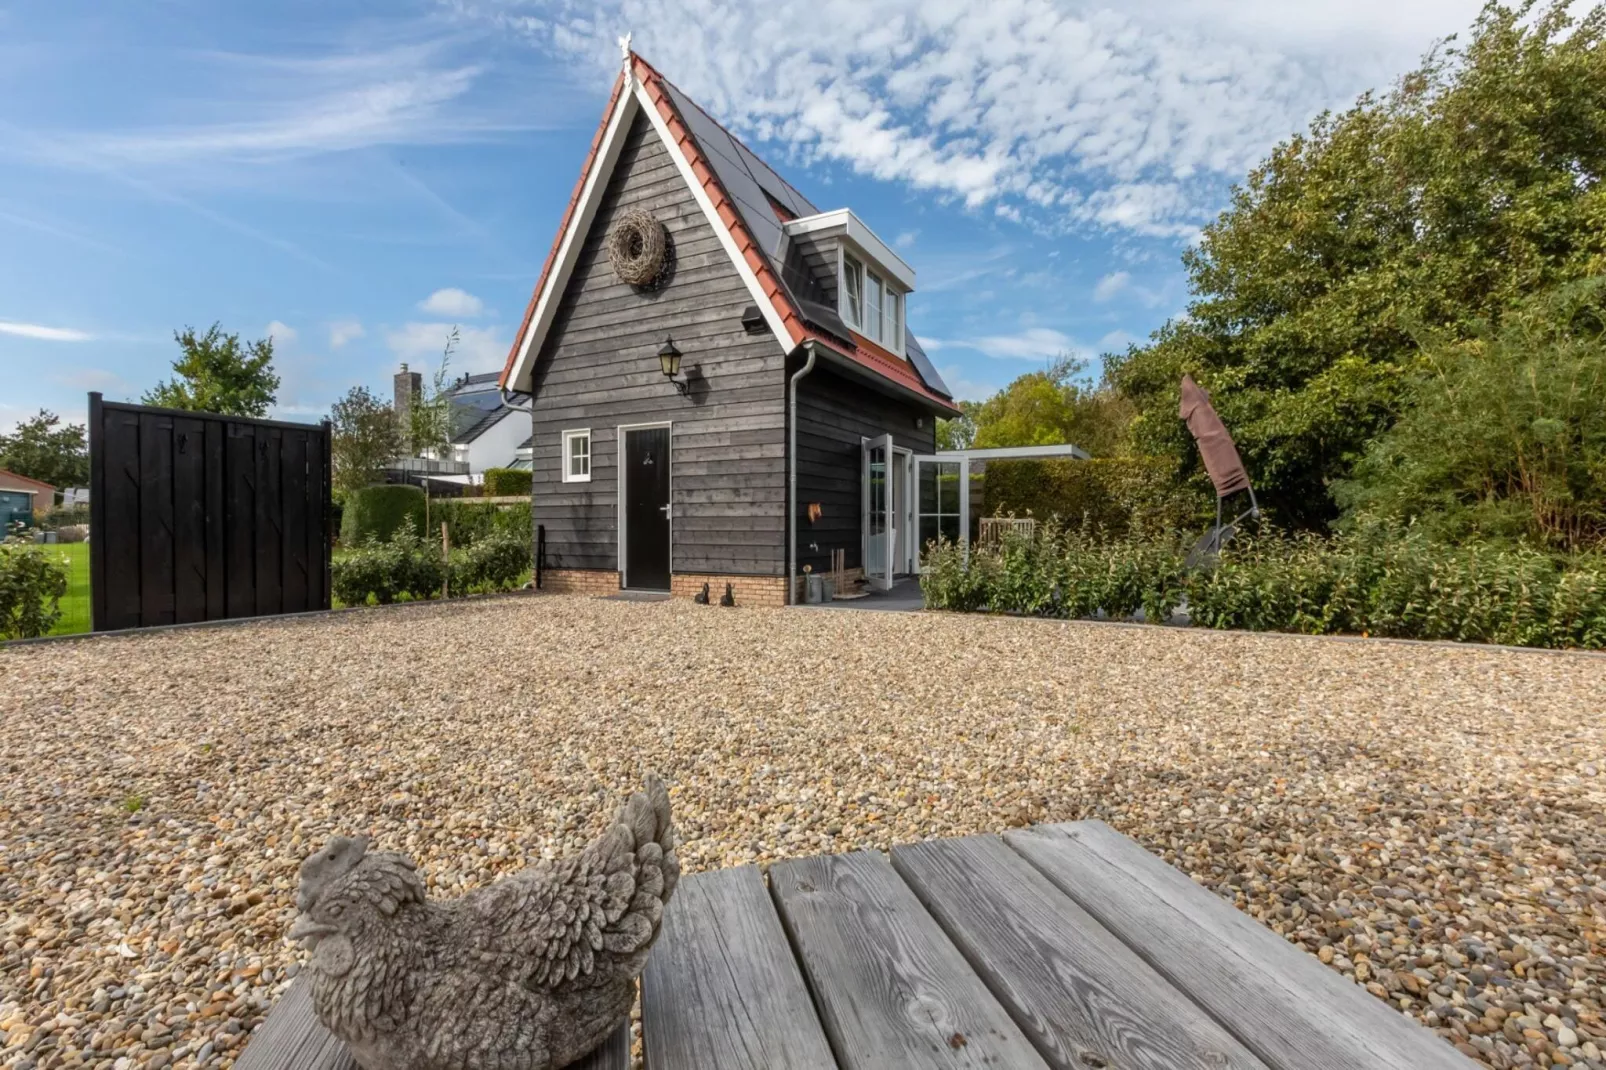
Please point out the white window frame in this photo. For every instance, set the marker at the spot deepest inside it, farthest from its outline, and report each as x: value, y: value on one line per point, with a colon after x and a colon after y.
x: 567, y: 455
x: 867, y: 270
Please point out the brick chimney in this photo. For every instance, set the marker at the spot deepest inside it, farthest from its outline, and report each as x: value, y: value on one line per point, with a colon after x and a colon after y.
x: 408, y: 386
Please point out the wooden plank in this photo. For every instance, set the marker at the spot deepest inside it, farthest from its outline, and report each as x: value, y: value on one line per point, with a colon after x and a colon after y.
x: 891, y: 989
x: 721, y: 990
x: 1295, y: 1013
x: 189, y: 520
x: 1083, y: 997
x: 292, y: 1038
x: 119, y: 533
x: 156, y: 543
x: 298, y: 580
x: 269, y: 522
x: 239, y: 519
x: 217, y: 572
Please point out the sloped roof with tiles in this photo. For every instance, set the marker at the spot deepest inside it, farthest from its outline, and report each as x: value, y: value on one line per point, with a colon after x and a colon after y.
x: 753, y: 202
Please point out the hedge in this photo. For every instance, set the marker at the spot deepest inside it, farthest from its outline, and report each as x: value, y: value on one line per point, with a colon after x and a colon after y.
x: 1384, y: 580
x: 408, y: 567
x: 379, y: 511
x: 1111, y: 493
x: 506, y: 482
x: 469, y: 520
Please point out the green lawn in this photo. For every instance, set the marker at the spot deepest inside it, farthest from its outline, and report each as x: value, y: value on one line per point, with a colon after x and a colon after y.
x: 75, y: 606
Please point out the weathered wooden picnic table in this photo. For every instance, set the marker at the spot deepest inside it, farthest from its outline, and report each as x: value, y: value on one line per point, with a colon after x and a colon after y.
x: 1065, y: 946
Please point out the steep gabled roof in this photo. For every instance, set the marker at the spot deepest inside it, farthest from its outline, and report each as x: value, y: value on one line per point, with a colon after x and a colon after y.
x: 750, y: 203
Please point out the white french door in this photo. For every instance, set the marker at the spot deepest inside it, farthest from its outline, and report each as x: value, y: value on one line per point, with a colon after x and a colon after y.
x: 877, y: 523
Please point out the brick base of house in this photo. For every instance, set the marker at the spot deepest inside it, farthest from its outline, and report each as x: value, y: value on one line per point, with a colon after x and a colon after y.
x: 747, y: 590
x: 767, y: 591
x: 594, y: 581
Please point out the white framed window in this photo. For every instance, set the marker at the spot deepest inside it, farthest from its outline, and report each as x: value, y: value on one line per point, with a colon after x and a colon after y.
x: 577, y: 456
x: 869, y: 304
x: 852, y: 302
x: 871, y: 327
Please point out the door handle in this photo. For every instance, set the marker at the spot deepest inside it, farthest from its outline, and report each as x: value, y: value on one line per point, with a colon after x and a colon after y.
x: 663, y: 508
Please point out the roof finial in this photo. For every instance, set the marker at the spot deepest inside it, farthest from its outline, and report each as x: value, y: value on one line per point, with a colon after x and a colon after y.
x: 624, y: 48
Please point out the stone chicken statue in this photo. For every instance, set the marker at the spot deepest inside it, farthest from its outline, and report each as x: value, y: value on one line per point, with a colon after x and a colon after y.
x: 529, y: 973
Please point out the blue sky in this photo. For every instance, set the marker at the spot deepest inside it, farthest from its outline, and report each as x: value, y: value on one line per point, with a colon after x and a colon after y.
x: 355, y: 178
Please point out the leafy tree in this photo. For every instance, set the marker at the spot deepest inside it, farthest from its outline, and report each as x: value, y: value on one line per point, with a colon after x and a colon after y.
x: 429, y: 417
x: 1473, y: 184
x: 217, y: 374
x: 1052, y: 407
x: 365, y: 438
x: 1505, y: 432
x: 42, y: 448
x: 960, y: 432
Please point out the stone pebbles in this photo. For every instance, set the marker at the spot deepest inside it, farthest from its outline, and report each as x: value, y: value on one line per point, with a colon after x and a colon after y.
x: 1429, y: 821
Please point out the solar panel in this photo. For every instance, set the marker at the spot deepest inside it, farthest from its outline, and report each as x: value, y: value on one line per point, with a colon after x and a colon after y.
x: 922, y: 363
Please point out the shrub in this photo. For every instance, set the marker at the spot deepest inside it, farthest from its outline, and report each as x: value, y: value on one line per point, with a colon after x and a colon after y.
x: 64, y: 516
x: 506, y: 482
x: 403, y: 565
x: 468, y: 521
x: 1379, y: 579
x: 381, y: 510
x: 1109, y: 493
x: 496, y: 562
x: 32, y: 584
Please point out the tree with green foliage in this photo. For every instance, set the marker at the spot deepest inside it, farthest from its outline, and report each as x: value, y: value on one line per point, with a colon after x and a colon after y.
x: 1436, y: 208
x: 1052, y: 407
x: 365, y: 439
x: 1504, y: 432
x: 429, y: 417
x: 217, y: 374
x: 42, y: 448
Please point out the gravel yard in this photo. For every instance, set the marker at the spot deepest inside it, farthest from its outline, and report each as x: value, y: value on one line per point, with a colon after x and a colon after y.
x: 1429, y: 821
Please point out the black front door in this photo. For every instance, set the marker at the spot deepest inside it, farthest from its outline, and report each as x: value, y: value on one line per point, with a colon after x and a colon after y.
x: 646, y: 534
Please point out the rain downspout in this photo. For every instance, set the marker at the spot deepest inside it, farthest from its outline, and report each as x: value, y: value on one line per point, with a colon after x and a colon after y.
x: 791, y: 479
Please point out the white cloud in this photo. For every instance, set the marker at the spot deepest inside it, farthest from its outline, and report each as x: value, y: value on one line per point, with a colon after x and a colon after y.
x: 282, y: 333
x: 965, y: 388
x: 452, y: 302
x: 44, y: 334
x: 1110, y: 285
x: 296, y: 106
x: 479, y: 349
x: 343, y: 331
x: 1034, y: 343
x: 1061, y: 113
x: 906, y: 239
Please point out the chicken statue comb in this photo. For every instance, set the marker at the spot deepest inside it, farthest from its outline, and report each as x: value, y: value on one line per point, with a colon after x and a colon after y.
x: 320, y: 870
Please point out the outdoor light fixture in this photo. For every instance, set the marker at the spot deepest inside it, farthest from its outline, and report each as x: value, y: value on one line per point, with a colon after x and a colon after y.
x: 669, y: 363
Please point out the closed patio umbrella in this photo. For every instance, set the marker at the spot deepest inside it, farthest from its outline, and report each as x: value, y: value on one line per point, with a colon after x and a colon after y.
x: 1221, y: 461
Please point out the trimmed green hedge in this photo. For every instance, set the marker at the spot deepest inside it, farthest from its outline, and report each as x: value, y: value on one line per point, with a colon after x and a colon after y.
x: 1112, y: 493
x: 1384, y: 580
x: 506, y: 482
x: 381, y: 510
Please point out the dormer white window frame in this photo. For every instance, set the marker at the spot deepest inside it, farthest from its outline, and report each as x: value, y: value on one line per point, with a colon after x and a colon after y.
x: 877, y: 291
x: 878, y: 262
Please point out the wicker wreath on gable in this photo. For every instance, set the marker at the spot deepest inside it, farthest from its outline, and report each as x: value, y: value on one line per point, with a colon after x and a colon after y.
x: 637, y: 247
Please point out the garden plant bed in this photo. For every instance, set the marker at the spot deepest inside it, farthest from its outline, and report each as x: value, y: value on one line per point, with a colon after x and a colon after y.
x: 1425, y: 819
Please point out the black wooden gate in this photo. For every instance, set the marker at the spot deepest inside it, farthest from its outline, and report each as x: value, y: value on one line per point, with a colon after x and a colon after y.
x: 194, y: 516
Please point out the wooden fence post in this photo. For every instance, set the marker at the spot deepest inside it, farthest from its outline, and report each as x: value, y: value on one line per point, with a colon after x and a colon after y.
x: 446, y: 562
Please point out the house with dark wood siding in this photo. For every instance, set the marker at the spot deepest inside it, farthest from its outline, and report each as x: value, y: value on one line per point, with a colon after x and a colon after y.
x: 723, y: 385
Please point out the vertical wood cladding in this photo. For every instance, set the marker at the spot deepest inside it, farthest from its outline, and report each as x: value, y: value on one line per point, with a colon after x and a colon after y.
x: 598, y: 369
x: 833, y: 414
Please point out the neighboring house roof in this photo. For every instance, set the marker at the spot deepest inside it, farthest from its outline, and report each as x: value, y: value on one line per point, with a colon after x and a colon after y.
x: 12, y: 481
x: 751, y: 202
x: 476, y: 406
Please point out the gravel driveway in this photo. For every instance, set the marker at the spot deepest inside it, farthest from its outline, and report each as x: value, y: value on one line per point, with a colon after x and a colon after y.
x: 1429, y: 821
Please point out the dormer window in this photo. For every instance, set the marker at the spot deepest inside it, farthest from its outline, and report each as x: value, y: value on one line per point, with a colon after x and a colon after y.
x: 871, y: 305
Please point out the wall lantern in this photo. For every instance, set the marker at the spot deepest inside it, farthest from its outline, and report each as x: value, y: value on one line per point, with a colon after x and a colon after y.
x: 669, y: 364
